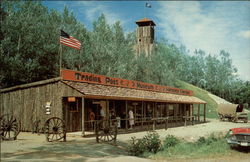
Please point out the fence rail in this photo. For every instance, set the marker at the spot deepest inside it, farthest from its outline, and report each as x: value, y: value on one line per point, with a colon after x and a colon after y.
x: 146, y: 123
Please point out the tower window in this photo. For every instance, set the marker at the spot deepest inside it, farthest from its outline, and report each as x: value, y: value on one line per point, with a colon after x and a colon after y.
x: 139, y: 40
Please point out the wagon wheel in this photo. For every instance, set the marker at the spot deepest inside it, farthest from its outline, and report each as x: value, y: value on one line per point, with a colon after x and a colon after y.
x: 10, y: 127
x: 106, y: 131
x: 54, y: 129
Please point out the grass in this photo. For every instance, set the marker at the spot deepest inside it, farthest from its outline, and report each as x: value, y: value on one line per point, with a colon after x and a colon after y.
x: 211, y: 146
x: 201, y: 94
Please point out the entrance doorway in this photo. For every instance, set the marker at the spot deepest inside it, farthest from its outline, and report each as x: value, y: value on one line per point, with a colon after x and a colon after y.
x: 72, y: 113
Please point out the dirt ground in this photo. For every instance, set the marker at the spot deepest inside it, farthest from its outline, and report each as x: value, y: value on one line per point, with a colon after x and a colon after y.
x: 33, y: 147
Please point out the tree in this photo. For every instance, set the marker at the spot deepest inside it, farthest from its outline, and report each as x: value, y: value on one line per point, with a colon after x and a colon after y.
x: 29, y: 50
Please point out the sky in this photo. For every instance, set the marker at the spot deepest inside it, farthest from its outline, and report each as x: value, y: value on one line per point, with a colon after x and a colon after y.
x: 211, y: 26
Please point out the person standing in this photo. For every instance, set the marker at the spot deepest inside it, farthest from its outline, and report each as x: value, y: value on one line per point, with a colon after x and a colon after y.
x: 102, y: 114
x: 131, y: 118
x: 92, y: 118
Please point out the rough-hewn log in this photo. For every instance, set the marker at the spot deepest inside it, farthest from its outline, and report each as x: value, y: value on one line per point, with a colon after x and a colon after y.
x: 31, y: 84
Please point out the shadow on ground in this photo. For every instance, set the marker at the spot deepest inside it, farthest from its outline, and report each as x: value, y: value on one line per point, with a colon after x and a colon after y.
x: 71, y: 150
x: 242, y: 149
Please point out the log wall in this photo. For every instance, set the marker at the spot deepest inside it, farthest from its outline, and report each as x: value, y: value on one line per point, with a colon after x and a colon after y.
x: 28, y: 104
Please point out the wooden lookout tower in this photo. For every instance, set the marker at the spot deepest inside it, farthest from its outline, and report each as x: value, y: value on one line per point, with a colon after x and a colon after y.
x: 145, y: 36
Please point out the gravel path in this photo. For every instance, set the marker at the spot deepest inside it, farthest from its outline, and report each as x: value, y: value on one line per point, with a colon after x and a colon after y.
x: 191, y: 133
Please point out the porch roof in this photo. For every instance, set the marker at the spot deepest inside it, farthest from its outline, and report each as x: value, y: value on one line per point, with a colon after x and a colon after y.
x: 119, y: 93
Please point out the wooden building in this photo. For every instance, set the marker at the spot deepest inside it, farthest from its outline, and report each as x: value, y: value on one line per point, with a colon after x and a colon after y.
x: 74, y: 95
x: 145, y: 36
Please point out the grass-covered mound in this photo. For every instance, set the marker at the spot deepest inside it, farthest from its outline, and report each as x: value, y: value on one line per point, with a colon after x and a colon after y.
x: 202, y: 94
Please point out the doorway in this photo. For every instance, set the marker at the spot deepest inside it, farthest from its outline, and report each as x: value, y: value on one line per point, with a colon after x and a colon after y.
x: 72, y: 113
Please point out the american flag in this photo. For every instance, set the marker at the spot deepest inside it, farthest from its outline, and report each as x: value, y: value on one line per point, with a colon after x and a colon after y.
x: 70, y: 41
x: 148, y: 5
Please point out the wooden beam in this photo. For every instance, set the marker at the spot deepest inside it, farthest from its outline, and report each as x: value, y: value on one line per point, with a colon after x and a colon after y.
x: 154, y: 115
x: 167, y: 109
x: 185, y: 113
x: 144, y: 110
x: 192, y: 114
x: 126, y: 121
x: 198, y: 113
x: 120, y: 97
x: 175, y: 117
x: 153, y: 109
x: 107, y: 110
x: 166, y: 112
x: 142, y: 113
x: 204, y: 112
x: 38, y: 83
x: 83, y: 118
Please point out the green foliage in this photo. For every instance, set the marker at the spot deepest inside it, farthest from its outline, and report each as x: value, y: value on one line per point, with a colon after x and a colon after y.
x: 212, y: 145
x: 29, y: 52
x: 149, y: 143
x: 207, y: 141
x: 152, y: 142
x: 137, y: 147
x: 170, y: 141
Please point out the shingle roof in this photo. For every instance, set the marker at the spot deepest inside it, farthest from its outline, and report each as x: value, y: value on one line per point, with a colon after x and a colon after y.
x: 110, y: 92
x: 145, y: 20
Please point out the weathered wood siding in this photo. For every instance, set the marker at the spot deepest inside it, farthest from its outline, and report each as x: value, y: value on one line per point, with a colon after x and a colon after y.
x: 145, y: 40
x: 28, y: 105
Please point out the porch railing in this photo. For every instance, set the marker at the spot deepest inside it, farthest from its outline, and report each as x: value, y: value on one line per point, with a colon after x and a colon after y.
x: 147, y: 123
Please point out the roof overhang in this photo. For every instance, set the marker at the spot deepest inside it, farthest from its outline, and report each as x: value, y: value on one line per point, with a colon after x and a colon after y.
x: 96, y: 91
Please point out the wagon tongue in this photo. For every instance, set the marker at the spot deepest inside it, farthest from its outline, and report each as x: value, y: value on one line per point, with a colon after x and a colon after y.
x: 241, y: 130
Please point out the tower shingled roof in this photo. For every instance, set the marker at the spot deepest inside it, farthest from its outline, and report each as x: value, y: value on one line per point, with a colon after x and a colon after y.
x: 145, y: 20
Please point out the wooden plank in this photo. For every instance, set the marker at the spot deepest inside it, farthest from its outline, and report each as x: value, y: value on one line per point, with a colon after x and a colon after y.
x: 83, y: 117
x: 192, y: 114
x: 154, y: 115
x: 31, y: 84
x: 153, y: 110
x: 185, y: 110
x: 107, y: 109
x: 198, y: 113
x: 126, y: 107
x: 204, y: 112
x: 142, y: 112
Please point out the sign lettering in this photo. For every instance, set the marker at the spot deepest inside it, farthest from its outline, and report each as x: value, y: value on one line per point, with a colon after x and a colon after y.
x: 118, y: 82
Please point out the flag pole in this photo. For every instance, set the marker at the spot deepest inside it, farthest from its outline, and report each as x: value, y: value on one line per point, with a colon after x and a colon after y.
x: 60, y: 59
x: 79, y: 64
x: 145, y: 11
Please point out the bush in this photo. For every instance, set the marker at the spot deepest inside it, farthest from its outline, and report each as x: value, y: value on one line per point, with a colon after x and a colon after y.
x: 212, y: 145
x: 152, y: 142
x: 149, y: 143
x: 207, y: 141
x: 137, y: 147
x: 170, y: 141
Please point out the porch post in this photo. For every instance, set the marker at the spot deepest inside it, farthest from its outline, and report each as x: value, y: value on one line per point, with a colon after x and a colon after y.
x: 167, y: 117
x: 154, y: 115
x: 167, y: 110
x: 198, y: 113
x: 186, y: 113
x: 126, y: 120
x: 142, y: 112
x: 83, y: 118
x: 204, y: 113
x: 192, y: 114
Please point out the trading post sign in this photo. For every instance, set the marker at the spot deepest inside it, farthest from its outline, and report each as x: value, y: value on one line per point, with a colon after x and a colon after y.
x: 118, y: 82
